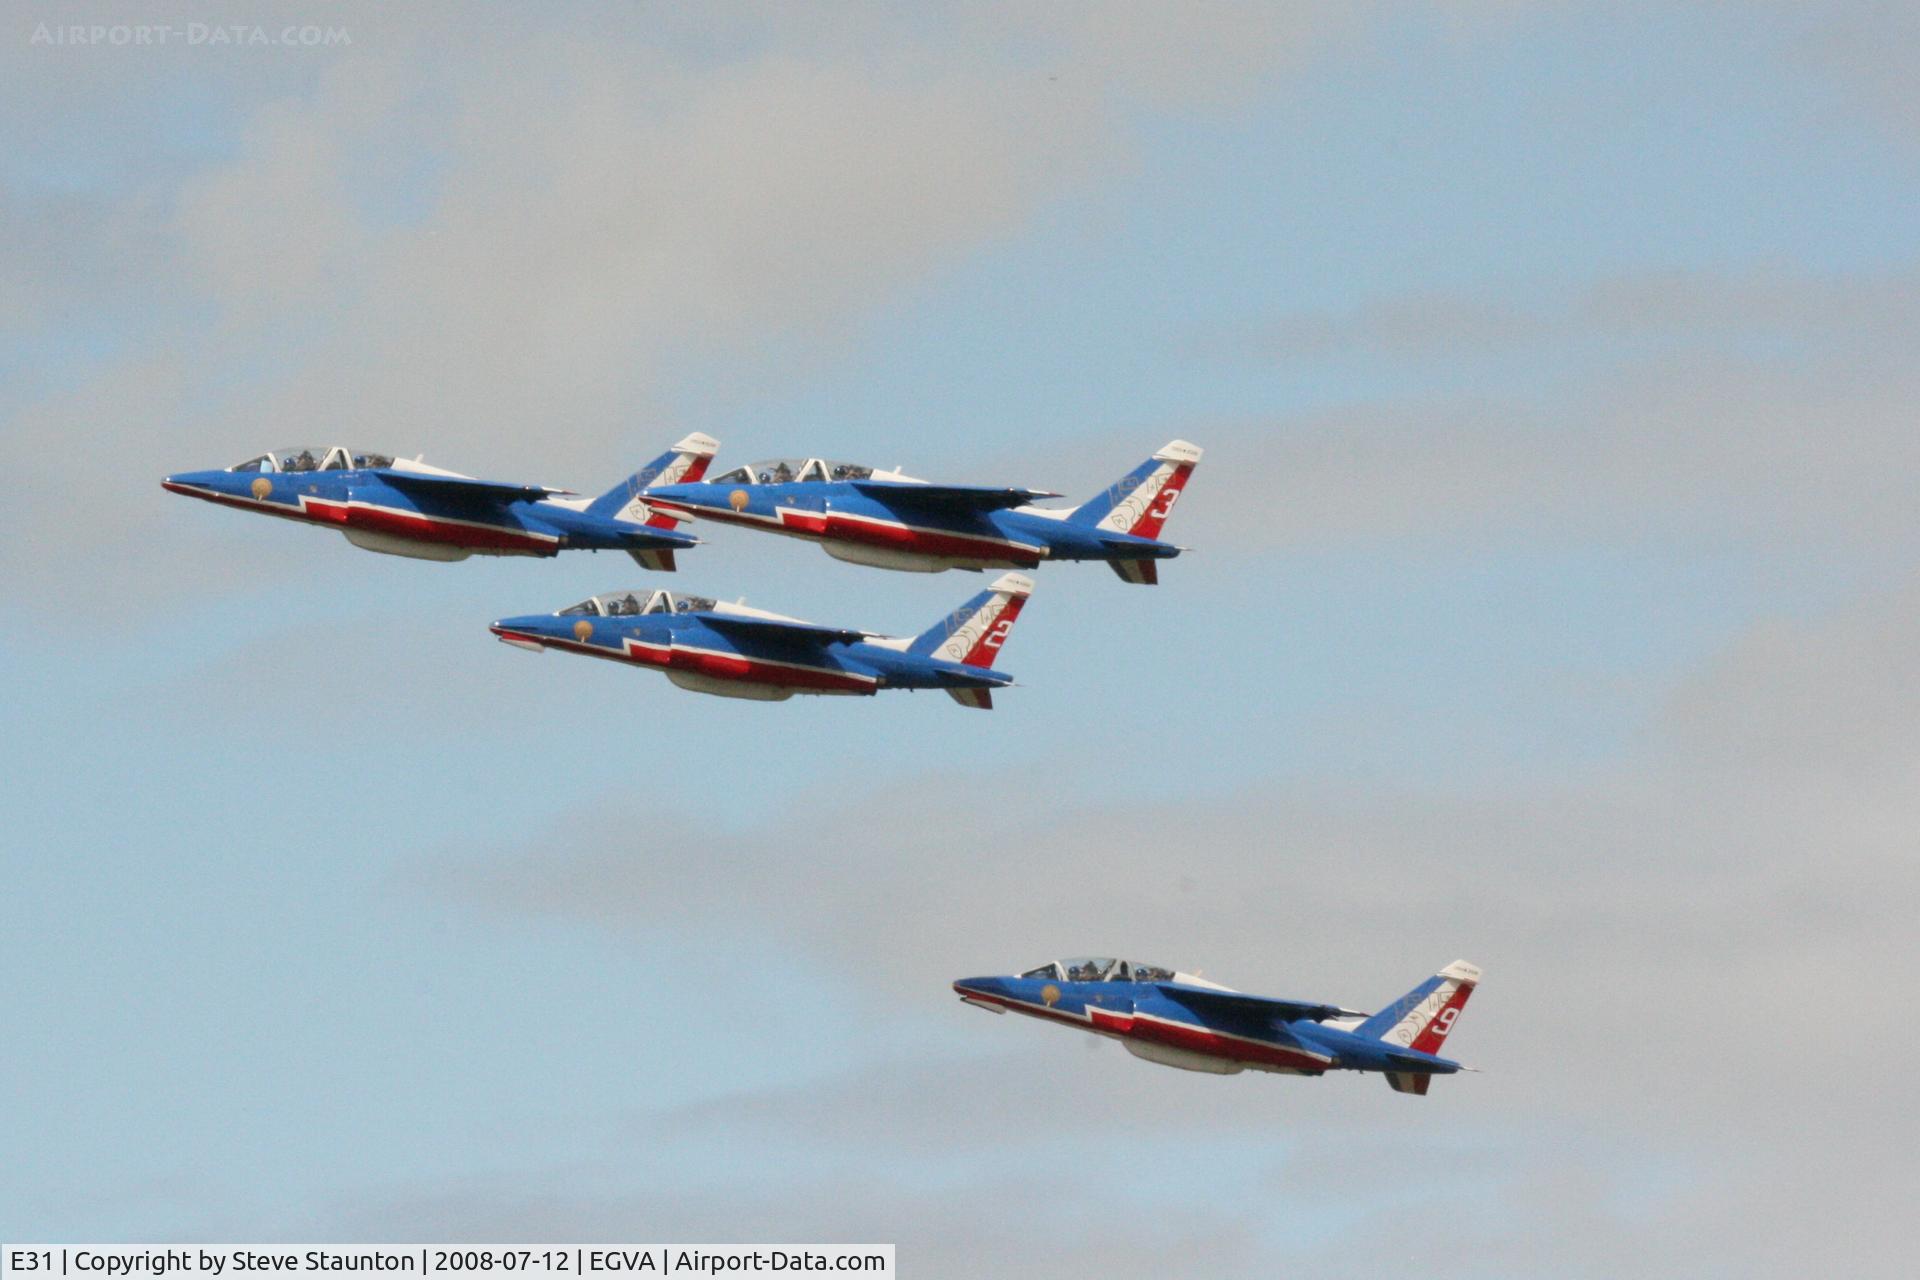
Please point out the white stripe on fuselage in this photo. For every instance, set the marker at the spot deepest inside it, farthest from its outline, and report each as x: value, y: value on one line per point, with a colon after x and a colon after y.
x: 307, y: 501
x: 1087, y: 1015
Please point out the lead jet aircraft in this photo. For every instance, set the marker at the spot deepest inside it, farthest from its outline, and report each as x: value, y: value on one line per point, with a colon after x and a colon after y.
x: 1180, y: 1020
x: 406, y: 508
x: 737, y: 652
x: 893, y: 521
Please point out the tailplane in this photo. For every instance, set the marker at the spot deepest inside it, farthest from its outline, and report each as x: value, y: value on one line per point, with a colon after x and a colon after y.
x: 974, y: 633
x: 685, y: 463
x: 1409, y: 1082
x: 1139, y: 503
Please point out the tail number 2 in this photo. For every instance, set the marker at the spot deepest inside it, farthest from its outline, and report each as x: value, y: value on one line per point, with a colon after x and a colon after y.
x: 997, y: 636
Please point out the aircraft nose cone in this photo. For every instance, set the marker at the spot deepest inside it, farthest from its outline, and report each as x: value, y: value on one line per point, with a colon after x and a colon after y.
x: 980, y: 987
x: 195, y: 484
x: 522, y: 633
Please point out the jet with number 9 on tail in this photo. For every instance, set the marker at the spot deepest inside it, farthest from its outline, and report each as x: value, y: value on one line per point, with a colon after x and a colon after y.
x: 404, y: 507
x: 736, y: 652
x: 1180, y: 1020
x: 893, y: 521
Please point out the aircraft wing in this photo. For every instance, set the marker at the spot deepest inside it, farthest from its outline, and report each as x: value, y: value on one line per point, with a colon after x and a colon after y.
x: 770, y: 629
x: 949, y: 497
x: 1204, y: 1000
x: 467, y: 487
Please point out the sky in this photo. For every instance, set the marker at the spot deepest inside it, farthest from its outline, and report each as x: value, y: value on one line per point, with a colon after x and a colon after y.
x: 1554, y: 603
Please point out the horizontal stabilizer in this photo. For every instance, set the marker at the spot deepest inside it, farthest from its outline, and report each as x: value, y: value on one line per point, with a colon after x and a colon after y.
x: 1142, y: 573
x: 1409, y: 1082
x: 660, y: 559
x: 978, y: 699
x: 950, y: 497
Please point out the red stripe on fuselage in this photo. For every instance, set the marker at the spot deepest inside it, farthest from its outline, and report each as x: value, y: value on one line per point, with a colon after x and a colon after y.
x: 411, y: 526
x: 420, y: 528
x: 900, y: 536
x: 839, y: 526
x: 1178, y: 1035
x: 708, y: 662
x: 732, y: 666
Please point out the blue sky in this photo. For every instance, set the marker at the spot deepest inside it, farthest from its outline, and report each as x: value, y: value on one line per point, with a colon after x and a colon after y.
x: 1553, y: 606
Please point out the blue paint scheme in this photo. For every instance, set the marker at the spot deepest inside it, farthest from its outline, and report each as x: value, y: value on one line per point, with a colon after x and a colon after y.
x: 702, y: 645
x: 1188, y: 1011
x: 432, y: 515
x: 875, y: 519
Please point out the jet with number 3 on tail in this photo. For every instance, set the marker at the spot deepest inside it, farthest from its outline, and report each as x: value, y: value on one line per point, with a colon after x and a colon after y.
x: 736, y: 652
x: 893, y: 521
x: 404, y: 507
x: 1180, y: 1020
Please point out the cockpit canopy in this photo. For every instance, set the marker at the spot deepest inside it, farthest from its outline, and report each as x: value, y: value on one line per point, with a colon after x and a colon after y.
x: 315, y: 458
x: 792, y: 471
x: 628, y: 604
x: 1101, y: 969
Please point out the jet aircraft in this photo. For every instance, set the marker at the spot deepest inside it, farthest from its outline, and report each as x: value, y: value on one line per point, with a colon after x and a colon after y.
x: 893, y: 521
x: 1181, y: 1020
x: 737, y: 652
x: 404, y: 507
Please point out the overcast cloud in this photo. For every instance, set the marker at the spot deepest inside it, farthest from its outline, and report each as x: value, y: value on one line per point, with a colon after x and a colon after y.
x: 1556, y: 605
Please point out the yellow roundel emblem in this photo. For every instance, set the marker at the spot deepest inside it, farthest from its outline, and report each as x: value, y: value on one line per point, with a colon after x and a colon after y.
x: 1050, y: 995
x: 582, y: 630
x: 261, y: 486
x: 737, y: 499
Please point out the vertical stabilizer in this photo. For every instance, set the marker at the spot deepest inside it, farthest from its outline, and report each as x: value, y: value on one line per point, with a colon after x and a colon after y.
x: 974, y: 633
x: 685, y: 463
x: 1421, y: 1019
x: 1139, y: 502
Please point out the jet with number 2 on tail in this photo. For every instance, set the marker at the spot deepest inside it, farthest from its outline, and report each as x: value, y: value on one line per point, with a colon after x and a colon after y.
x: 1180, y: 1020
x: 893, y: 521
x: 737, y: 652
x: 403, y: 507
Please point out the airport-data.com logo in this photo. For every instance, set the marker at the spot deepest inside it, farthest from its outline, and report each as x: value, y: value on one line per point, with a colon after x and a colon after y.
x: 202, y: 35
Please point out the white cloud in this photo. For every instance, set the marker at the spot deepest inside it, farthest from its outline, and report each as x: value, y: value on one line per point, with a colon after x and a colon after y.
x: 498, y: 239
x: 1712, y: 929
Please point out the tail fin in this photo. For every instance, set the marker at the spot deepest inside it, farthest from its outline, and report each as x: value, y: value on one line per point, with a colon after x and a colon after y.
x: 974, y: 632
x: 1421, y: 1019
x: 1140, y: 501
x: 685, y: 463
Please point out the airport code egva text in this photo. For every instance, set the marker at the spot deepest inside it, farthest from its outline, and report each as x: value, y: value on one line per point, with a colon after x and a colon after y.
x: 136, y: 1262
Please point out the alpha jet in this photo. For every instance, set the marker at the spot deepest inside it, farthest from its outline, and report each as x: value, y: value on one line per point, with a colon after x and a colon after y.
x: 1181, y: 1020
x: 893, y: 521
x: 404, y: 507
x: 737, y: 652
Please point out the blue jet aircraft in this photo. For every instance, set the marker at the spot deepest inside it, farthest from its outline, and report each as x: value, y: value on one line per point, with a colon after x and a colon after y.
x: 893, y: 521
x: 1180, y: 1020
x: 406, y: 508
x: 737, y: 652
